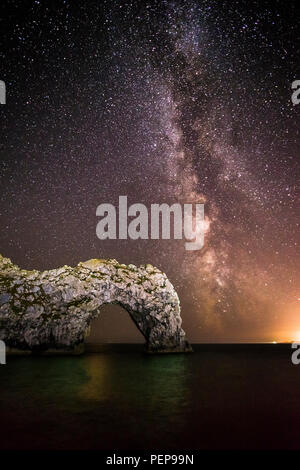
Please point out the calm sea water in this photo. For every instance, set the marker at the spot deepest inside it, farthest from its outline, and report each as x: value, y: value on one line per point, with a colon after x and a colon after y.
x: 215, y: 398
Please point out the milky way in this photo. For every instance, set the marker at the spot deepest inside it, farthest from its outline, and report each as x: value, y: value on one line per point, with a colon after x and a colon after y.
x: 163, y: 102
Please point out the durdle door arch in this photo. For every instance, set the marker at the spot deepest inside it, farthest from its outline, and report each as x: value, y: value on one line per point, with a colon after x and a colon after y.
x: 51, y: 311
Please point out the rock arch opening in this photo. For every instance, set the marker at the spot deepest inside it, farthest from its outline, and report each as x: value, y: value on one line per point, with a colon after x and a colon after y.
x: 113, y: 324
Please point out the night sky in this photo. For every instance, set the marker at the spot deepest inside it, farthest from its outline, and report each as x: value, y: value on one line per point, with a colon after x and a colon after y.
x: 162, y: 101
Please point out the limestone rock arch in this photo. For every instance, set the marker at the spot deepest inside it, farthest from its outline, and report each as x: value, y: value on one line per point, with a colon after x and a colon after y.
x: 52, y: 310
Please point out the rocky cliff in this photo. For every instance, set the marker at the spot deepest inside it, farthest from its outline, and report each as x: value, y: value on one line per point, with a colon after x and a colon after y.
x: 52, y: 310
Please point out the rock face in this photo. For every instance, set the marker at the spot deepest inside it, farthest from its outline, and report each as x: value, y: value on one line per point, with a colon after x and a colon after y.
x: 52, y: 310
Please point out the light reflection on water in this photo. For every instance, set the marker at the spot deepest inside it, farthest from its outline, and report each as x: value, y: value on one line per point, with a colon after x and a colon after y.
x: 159, y: 380
x: 131, y: 400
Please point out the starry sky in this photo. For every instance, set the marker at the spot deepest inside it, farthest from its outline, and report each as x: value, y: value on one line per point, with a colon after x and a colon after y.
x: 162, y: 101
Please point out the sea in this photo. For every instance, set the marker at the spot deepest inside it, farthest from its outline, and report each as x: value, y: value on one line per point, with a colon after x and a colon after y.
x: 221, y: 396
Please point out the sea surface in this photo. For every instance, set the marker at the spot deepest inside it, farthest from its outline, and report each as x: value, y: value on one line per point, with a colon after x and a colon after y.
x: 219, y: 397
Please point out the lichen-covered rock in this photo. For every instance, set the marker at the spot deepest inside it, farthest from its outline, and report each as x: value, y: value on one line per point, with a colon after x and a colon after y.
x: 53, y: 309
